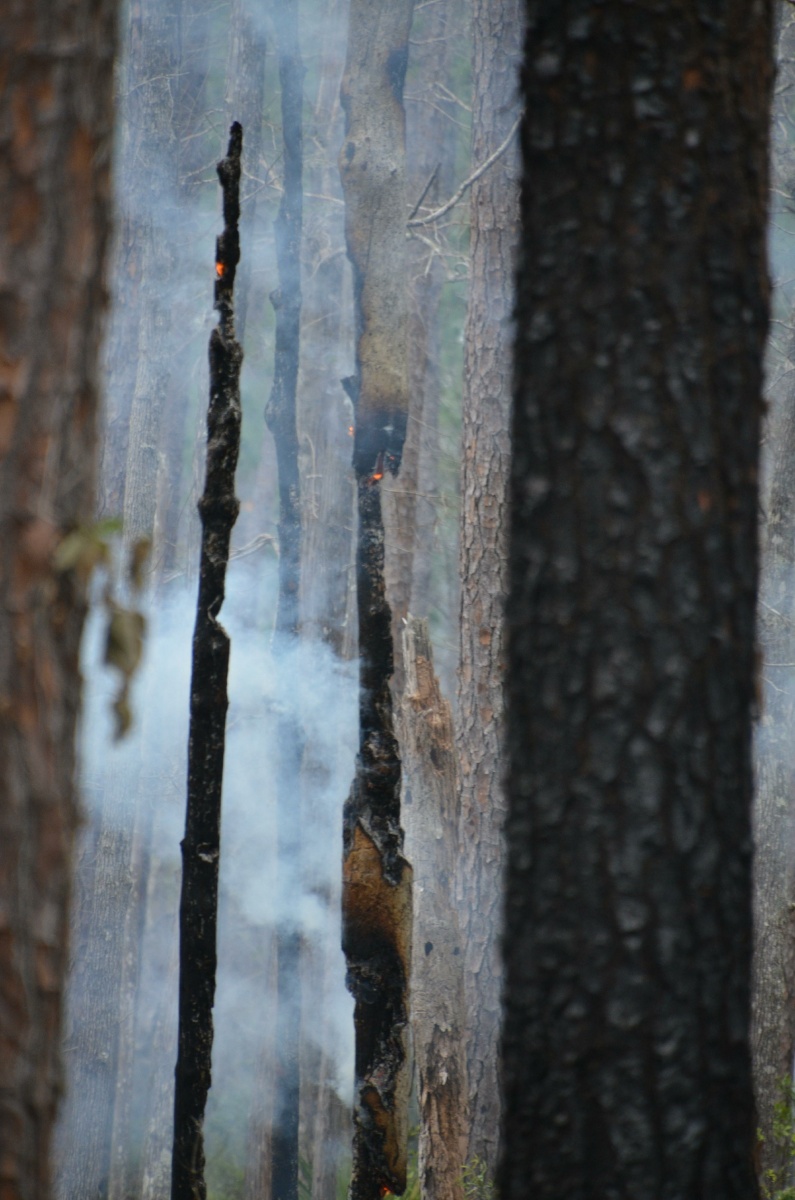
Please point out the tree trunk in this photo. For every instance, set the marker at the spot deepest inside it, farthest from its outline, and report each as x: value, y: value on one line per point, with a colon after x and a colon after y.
x: 55, y: 189
x: 641, y: 317
x: 437, y: 977
x: 376, y: 892
x: 773, y: 1025
x: 483, y: 554
x: 218, y: 508
x: 280, y: 415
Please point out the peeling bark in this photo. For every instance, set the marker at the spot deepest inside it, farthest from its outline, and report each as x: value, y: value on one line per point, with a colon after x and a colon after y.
x: 437, y: 970
x: 218, y: 508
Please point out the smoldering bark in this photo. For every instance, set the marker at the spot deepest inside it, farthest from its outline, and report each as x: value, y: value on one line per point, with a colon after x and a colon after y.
x: 641, y: 320
x: 373, y: 171
x: 773, y: 992
x: 494, y: 216
x: 376, y: 890
x: 218, y: 508
x: 57, y: 122
x: 437, y: 975
x: 280, y: 415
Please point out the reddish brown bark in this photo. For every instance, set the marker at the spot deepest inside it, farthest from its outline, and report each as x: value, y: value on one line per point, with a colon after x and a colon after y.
x: 56, y: 119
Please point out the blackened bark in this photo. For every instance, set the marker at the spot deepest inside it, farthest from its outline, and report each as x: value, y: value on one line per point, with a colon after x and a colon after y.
x: 376, y: 889
x: 56, y: 125
x: 642, y: 314
x: 218, y: 508
x: 280, y: 415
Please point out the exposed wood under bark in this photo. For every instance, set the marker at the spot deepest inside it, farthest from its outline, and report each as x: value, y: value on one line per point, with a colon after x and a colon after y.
x: 437, y: 964
x: 218, y: 508
x: 376, y: 890
x: 280, y: 415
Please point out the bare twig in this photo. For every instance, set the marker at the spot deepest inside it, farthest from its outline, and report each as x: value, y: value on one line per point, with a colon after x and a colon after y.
x: 476, y: 174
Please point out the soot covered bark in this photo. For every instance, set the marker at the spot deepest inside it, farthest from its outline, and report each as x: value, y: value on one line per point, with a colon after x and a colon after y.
x: 218, y: 509
x: 641, y: 323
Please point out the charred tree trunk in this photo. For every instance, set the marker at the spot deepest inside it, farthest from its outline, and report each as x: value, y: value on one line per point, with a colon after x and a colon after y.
x: 280, y: 415
x: 56, y: 61
x: 437, y: 976
x: 218, y: 509
x: 494, y: 216
x: 376, y: 894
x: 641, y: 320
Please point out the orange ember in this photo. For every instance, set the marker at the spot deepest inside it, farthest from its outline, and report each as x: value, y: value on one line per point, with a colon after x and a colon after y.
x: 378, y: 475
x: 350, y: 431
x: 219, y: 270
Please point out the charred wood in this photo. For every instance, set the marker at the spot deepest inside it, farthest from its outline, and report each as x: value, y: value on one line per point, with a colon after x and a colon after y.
x: 218, y: 508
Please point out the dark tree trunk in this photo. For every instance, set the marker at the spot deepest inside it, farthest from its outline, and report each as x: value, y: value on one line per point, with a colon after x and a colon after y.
x: 376, y: 892
x: 56, y: 61
x: 280, y: 415
x: 218, y: 508
x: 642, y: 314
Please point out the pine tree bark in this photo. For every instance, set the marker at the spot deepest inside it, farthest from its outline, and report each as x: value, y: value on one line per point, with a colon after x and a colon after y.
x: 641, y: 320
x: 57, y: 121
x: 483, y: 553
x: 218, y: 509
x: 376, y: 891
x: 437, y: 976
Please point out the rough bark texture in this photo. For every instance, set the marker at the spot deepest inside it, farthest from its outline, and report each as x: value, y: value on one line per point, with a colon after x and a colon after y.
x: 773, y: 1025
x: 56, y: 120
x: 218, y: 508
x: 376, y: 890
x: 437, y: 975
x: 376, y: 887
x: 280, y: 415
x: 642, y: 313
x: 408, y: 508
x: 488, y: 336
x: 373, y: 171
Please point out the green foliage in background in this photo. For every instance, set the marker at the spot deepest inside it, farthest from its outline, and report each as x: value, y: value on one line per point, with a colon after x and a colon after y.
x: 774, y: 1183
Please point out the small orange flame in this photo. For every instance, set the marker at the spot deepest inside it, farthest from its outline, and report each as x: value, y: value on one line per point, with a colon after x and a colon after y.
x: 350, y: 431
x: 220, y: 270
x: 378, y: 475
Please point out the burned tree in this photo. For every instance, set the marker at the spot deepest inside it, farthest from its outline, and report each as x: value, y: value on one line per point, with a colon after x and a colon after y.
x: 218, y: 508
x: 642, y: 313
x: 376, y: 877
x: 280, y: 415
